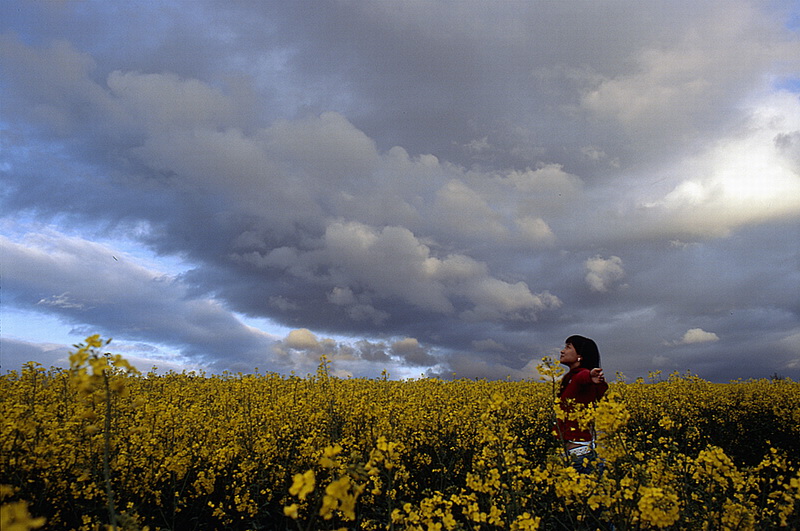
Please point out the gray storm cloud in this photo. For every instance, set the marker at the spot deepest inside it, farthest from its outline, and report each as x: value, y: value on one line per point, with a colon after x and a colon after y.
x: 435, y: 188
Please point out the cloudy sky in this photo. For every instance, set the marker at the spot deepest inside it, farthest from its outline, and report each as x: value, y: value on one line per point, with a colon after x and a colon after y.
x: 426, y: 187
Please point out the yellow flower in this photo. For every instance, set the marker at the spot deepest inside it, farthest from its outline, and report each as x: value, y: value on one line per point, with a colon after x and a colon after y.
x: 94, y: 341
x: 291, y: 511
x: 526, y: 522
x: 737, y: 516
x: 658, y: 507
x: 390, y: 449
x: 14, y: 516
x: 666, y: 423
x: 303, y: 484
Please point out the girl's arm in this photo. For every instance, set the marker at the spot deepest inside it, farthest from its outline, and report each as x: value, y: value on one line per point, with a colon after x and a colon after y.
x: 599, y: 379
x: 597, y: 375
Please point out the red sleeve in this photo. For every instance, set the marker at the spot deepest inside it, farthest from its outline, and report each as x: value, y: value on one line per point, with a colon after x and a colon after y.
x: 602, y: 387
x: 582, y: 377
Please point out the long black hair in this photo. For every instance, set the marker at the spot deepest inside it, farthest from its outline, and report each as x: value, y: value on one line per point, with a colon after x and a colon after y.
x: 587, y: 350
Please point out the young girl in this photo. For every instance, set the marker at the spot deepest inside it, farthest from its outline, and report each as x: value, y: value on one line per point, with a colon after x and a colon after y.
x: 583, y: 384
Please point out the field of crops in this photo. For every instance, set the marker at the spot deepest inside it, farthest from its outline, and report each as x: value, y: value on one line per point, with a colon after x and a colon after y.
x: 101, y: 444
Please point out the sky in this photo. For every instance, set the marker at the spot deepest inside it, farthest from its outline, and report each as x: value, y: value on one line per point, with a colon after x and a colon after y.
x: 430, y: 188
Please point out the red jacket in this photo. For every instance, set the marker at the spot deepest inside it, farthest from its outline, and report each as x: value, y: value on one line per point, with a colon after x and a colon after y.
x: 577, y: 387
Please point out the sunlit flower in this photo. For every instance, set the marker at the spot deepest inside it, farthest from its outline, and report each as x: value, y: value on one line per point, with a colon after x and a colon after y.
x: 240, y: 451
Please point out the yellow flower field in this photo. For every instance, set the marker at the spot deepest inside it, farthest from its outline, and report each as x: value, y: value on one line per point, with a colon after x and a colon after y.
x: 100, y: 445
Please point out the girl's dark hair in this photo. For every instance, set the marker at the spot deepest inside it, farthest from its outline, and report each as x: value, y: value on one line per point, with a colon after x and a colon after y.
x: 587, y: 350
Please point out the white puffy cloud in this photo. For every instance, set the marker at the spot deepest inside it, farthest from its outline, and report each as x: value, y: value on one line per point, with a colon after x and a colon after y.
x: 301, y: 351
x: 603, y: 273
x: 535, y: 231
x: 164, y: 101
x: 368, y: 264
x: 497, y: 300
x: 302, y: 339
x: 327, y: 145
x: 463, y: 210
x: 409, y: 350
x: 698, y: 335
x: 549, y: 182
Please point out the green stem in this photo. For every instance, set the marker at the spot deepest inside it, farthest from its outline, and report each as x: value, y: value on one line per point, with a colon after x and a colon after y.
x: 112, y: 515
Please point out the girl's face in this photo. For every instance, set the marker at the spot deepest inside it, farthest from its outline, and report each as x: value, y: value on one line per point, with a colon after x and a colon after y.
x: 569, y: 356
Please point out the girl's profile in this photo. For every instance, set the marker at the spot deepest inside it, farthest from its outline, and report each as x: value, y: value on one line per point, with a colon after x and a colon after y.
x: 583, y: 384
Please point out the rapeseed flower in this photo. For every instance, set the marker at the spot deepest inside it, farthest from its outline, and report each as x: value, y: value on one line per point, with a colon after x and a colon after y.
x: 303, y: 484
x: 238, y: 451
x: 658, y: 507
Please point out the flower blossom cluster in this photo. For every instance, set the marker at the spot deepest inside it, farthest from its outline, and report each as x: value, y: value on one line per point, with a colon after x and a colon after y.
x: 102, y: 445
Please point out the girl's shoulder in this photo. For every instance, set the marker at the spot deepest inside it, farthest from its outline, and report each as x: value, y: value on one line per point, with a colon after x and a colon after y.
x: 581, y: 375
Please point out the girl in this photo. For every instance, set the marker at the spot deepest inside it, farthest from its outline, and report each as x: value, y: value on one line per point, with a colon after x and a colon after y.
x: 583, y: 384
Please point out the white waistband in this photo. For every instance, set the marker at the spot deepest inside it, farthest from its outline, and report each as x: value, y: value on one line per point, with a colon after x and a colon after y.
x: 581, y: 448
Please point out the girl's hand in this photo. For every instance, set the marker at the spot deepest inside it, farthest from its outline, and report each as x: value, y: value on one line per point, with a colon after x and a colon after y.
x: 597, y: 375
